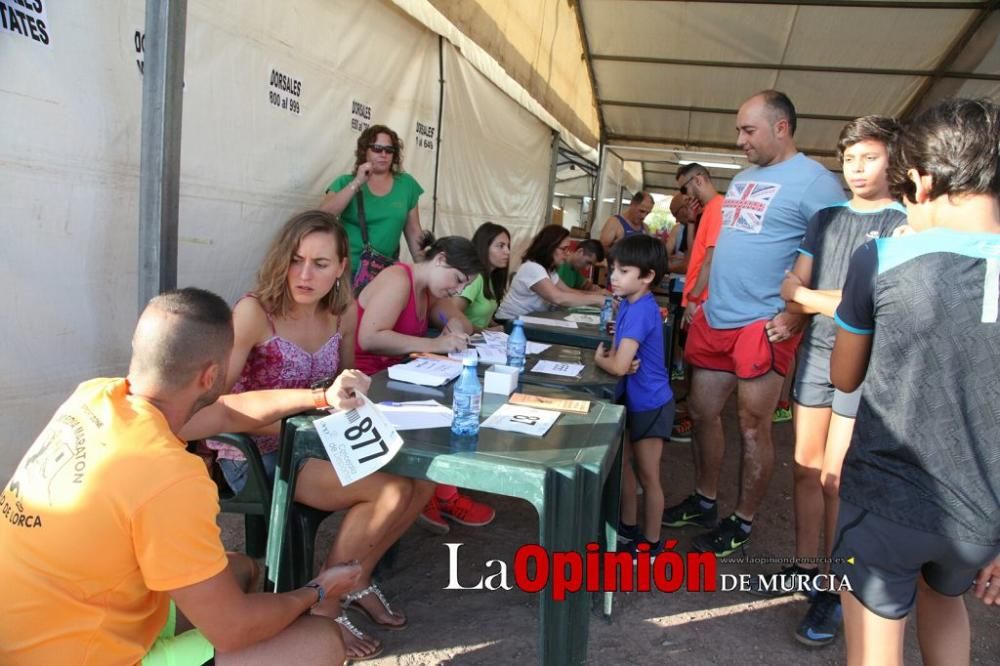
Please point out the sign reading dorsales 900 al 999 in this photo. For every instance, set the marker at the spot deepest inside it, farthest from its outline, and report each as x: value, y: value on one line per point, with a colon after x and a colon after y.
x: 284, y: 91
x: 26, y: 18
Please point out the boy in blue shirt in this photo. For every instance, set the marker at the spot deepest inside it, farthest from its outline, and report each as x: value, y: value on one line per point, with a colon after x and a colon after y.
x: 919, y: 323
x: 638, y: 262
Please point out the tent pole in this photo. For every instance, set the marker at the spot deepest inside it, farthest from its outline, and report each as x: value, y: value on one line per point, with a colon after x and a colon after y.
x: 602, y: 167
x: 437, y: 145
x: 553, y: 167
x: 160, y: 153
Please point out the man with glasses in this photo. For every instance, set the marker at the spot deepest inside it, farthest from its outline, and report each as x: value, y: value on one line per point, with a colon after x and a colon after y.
x: 629, y: 223
x: 694, y: 181
x: 742, y: 338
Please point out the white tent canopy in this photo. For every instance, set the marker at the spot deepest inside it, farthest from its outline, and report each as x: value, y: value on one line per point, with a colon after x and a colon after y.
x: 478, y: 90
x: 274, y: 97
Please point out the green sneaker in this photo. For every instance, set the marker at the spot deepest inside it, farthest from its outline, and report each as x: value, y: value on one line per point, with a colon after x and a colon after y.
x: 690, y: 512
x: 782, y: 414
x: 724, y: 540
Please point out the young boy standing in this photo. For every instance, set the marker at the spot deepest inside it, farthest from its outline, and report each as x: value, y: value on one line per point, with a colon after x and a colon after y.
x: 824, y: 417
x: 919, y: 323
x: 638, y: 262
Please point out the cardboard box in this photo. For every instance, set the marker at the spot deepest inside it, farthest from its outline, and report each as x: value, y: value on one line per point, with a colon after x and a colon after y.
x: 501, y: 379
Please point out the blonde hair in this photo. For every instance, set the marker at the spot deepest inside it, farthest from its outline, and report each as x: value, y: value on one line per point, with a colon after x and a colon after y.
x: 272, y: 280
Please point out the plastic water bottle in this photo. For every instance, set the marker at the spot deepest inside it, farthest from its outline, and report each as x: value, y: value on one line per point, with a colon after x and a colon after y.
x: 516, y: 344
x: 468, y: 399
x: 606, y: 313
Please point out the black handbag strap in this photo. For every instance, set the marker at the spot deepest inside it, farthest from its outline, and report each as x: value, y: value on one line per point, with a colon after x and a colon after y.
x: 361, y: 216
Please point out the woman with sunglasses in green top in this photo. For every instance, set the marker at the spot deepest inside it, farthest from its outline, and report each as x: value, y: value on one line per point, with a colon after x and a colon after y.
x: 390, y: 197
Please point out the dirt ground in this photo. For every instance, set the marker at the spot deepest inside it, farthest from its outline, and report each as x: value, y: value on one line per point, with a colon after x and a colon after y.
x: 710, y: 629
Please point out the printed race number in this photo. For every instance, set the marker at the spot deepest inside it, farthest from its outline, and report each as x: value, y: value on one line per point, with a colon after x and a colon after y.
x: 360, y: 430
x: 358, y: 442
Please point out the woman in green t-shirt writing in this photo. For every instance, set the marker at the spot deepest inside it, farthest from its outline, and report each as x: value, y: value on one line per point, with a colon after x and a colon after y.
x: 480, y: 298
x: 390, y: 196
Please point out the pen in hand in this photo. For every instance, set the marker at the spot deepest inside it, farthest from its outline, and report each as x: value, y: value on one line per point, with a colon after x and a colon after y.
x: 445, y: 330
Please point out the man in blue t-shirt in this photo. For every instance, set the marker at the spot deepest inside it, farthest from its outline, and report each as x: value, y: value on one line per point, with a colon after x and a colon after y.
x: 919, y: 323
x: 743, y: 339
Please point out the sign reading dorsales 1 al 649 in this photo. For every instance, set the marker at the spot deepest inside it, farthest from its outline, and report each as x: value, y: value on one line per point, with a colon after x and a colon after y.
x: 285, y: 92
x: 26, y: 18
x: 359, y: 441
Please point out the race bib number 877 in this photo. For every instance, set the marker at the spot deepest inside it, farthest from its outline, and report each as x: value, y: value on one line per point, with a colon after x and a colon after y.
x: 358, y: 441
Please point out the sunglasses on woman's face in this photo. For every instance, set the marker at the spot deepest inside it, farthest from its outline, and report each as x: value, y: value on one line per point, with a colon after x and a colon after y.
x: 379, y: 148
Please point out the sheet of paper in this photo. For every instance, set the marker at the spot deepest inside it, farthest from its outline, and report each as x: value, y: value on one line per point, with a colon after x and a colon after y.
x: 416, y: 414
x: 492, y: 355
x: 535, y: 347
x: 494, y: 338
x: 525, y: 420
x: 557, y: 368
x: 426, y: 371
x: 541, y: 321
x: 359, y: 441
x: 584, y: 318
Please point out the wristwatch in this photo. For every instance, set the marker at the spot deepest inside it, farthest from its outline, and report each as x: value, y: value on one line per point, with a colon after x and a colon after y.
x: 319, y: 397
x: 320, y: 592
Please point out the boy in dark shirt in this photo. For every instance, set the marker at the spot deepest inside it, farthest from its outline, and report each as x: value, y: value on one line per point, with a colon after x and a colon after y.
x: 824, y: 417
x: 918, y: 323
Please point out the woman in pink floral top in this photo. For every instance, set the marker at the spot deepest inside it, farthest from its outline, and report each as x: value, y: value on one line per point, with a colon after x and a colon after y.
x: 297, y: 327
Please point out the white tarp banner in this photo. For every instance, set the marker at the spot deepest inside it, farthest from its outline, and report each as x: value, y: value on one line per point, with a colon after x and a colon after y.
x: 275, y: 95
x: 495, y: 159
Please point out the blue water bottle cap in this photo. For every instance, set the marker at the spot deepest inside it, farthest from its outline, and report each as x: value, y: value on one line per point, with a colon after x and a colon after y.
x: 470, y: 358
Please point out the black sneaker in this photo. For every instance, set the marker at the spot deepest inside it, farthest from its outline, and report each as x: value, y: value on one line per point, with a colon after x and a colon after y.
x: 690, y: 512
x: 724, y: 540
x: 655, y: 548
x: 822, y: 620
x: 628, y: 533
x: 783, y: 583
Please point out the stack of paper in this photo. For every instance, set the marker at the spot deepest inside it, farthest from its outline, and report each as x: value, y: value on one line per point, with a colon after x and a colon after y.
x: 584, y: 318
x: 558, y: 404
x: 496, y: 343
x: 426, y: 371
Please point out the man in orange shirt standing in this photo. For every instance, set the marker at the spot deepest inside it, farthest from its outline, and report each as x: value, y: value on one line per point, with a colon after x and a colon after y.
x: 108, y: 539
x: 694, y: 181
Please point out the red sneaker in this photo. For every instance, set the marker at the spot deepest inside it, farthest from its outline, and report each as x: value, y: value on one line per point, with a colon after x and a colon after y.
x: 432, y: 519
x: 466, y: 511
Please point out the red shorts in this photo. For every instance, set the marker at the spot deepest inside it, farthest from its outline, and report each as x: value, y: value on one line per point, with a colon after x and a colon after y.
x: 745, y: 352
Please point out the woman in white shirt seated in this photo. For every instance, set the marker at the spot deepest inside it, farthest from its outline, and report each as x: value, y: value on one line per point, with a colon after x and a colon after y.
x: 536, y: 285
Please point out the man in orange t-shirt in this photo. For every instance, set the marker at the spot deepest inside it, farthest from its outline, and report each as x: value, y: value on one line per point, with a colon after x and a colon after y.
x: 694, y: 181
x: 108, y: 518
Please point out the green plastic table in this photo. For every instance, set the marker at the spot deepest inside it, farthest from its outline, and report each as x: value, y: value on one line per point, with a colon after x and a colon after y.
x: 585, y: 335
x: 572, y: 477
x: 591, y: 379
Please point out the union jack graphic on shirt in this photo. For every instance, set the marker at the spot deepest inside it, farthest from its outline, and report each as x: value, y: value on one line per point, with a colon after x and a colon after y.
x: 746, y: 205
